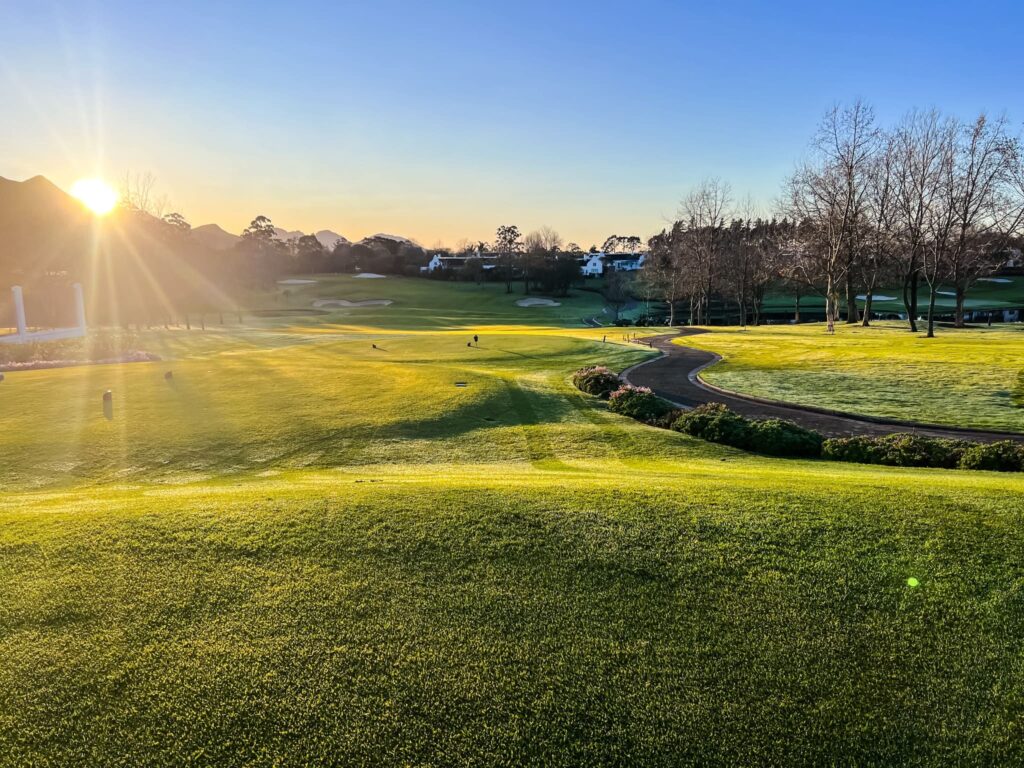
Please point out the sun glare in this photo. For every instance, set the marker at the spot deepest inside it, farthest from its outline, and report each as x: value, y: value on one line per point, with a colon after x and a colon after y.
x: 98, y: 196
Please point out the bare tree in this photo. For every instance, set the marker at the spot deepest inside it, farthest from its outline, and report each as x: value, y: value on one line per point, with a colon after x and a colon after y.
x: 984, y: 209
x: 878, y: 258
x: 550, y: 240
x: 828, y: 192
x: 138, y: 193
x: 920, y: 148
x: 666, y: 268
x: 704, y: 210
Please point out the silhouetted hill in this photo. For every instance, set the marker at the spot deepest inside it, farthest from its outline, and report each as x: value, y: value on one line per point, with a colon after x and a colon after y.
x: 329, y: 239
x: 42, y: 228
x: 133, y: 267
x: 214, y: 238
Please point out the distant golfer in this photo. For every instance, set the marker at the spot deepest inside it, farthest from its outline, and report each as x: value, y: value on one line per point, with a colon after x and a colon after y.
x: 476, y: 339
x: 374, y: 346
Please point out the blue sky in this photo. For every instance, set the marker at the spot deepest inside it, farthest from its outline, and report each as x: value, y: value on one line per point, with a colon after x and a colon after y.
x: 443, y: 120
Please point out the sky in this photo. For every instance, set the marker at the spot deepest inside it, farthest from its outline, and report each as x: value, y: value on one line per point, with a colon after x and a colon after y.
x: 442, y: 120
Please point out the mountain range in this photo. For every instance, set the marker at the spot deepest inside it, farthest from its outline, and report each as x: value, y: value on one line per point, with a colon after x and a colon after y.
x: 41, y: 224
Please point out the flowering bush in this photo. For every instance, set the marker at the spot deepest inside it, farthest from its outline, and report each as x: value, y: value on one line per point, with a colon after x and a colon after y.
x: 638, y: 403
x: 596, y: 380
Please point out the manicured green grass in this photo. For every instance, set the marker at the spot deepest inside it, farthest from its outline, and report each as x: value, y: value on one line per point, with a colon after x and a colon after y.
x: 432, y: 304
x: 994, y: 293
x: 967, y: 378
x: 302, y: 550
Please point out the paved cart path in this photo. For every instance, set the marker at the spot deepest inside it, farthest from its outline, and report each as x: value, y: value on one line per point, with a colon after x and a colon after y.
x: 674, y: 376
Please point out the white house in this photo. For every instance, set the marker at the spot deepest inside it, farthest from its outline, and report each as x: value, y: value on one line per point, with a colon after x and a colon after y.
x: 490, y: 261
x: 630, y: 262
x: 593, y: 265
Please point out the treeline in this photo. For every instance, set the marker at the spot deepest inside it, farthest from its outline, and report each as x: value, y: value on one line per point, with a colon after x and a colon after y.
x: 932, y: 201
x: 163, y: 275
x: 266, y: 257
x: 538, y: 259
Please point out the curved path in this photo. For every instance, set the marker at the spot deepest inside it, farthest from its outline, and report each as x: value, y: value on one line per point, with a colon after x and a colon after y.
x: 674, y: 376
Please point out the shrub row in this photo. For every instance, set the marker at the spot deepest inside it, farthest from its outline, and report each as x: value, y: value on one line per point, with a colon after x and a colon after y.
x: 775, y: 437
x: 903, y: 450
x: 715, y: 422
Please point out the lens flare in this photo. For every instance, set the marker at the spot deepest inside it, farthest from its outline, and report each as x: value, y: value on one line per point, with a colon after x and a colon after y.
x: 98, y: 196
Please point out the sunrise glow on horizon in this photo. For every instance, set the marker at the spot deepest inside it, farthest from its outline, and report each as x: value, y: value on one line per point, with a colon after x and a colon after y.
x: 595, y: 126
x: 96, y: 195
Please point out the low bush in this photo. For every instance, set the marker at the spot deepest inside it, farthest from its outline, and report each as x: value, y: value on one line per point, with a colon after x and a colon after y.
x: 784, y: 438
x: 857, y: 450
x: 638, y: 403
x: 715, y: 422
x: 897, y: 450
x: 596, y: 380
x: 1004, y: 456
x: 669, y: 418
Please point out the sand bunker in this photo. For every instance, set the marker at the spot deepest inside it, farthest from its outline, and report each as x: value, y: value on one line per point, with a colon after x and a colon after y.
x: 370, y: 275
x: 946, y: 293
x: 876, y: 297
x: 295, y: 281
x: 537, y: 303
x: 994, y: 280
x: 346, y: 303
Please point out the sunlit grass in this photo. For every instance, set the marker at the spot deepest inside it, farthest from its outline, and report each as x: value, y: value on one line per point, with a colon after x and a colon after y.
x: 961, y: 377
x: 304, y: 550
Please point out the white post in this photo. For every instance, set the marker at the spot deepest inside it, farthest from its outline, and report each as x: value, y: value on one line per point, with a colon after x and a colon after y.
x: 19, y: 312
x: 79, y: 307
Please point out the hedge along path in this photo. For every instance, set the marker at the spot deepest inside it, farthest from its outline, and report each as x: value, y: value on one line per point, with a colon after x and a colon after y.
x: 675, y: 376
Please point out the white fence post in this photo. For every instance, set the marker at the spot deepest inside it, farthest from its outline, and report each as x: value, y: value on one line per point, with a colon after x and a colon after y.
x: 79, y: 307
x: 19, y: 312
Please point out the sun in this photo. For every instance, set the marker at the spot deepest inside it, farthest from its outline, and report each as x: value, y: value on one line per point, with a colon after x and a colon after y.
x: 98, y: 196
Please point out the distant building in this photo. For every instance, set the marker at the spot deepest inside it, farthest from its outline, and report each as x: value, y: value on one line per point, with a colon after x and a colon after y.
x: 489, y: 261
x: 591, y: 264
x: 628, y: 262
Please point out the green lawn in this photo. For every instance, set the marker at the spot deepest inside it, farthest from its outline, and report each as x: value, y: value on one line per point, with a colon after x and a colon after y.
x: 424, y: 304
x: 991, y: 293
x: 967, y: 378
x: 302, y: 550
